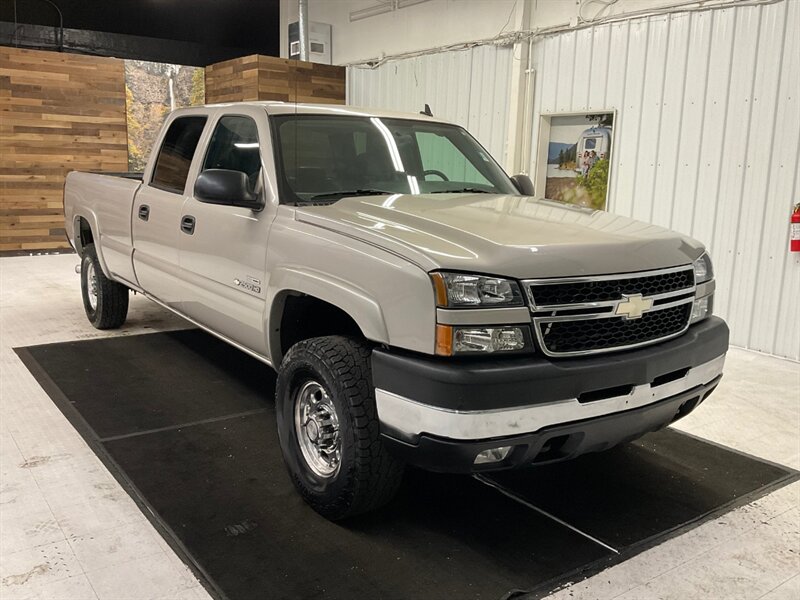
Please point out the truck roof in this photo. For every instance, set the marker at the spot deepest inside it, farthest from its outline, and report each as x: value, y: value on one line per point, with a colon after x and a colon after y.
x: 279, y: 108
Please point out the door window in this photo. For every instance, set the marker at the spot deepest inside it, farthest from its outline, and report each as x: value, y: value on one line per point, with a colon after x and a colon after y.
x: 177, y: 151
x: 234, y: 146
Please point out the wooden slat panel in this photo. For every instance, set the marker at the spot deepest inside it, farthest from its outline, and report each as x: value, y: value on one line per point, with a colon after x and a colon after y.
x: 259, y: 77
x: 58, y: 112
x: 232, y: 80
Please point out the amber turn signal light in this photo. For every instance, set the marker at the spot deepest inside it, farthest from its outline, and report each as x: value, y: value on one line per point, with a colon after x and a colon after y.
x: 444, y: 340
x: 440, y: 289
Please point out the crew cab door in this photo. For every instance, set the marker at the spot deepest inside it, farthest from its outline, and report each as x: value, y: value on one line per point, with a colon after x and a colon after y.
x: 158, y: 207
x: 223, y: 260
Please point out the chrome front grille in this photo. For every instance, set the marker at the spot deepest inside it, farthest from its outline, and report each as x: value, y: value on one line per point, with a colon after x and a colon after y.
x: 600, y: 290
x: 587, y: 315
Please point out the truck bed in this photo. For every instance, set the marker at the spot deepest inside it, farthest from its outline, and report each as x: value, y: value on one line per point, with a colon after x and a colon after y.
x: 106, y: 201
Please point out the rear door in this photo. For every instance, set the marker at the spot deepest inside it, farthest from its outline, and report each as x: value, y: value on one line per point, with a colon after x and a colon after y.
x: 158, y: 208
x: 223, y: 260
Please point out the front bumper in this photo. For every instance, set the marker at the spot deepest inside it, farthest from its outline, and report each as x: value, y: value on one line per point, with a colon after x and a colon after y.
x: 440, y: 414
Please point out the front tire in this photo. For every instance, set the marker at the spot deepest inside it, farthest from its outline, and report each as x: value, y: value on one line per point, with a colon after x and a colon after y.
x: 329, y: 430
x: 105, y: 301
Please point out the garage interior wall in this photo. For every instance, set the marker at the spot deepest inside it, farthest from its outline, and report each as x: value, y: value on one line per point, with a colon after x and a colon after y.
x: 58, y: 113
x: 706, y: 142
x: 469, y: 87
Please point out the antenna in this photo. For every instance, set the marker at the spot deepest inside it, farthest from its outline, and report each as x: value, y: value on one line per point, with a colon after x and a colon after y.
x: 427, y: 111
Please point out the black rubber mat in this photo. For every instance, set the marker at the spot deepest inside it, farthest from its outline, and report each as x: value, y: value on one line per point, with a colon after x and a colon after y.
x: 634, y: 492
x: 186, y: 424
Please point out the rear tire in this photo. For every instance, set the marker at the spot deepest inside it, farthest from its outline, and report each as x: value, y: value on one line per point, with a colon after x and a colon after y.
x: 105, y: 301
x: 329, y: 430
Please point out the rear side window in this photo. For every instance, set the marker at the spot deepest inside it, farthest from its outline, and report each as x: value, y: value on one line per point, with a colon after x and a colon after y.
x: 177, y: 151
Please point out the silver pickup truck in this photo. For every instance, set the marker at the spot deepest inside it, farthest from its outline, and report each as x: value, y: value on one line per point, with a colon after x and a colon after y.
x: 419, y: 305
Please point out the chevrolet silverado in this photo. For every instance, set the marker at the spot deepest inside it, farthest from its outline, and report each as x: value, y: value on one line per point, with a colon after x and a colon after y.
x: 419, y: 305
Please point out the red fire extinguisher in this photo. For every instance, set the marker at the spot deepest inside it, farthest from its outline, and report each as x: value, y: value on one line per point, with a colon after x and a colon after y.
x: 795, y: 236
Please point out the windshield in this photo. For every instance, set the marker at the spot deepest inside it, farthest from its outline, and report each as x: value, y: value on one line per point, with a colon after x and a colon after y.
x: 321, y: 157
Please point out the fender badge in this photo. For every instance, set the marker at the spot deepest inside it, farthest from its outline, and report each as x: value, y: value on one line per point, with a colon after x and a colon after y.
x: 251, y: 285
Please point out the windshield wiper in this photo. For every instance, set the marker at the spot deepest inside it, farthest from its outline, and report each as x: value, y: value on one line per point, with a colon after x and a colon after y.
x: 344, y: 193
x: 463, y: 191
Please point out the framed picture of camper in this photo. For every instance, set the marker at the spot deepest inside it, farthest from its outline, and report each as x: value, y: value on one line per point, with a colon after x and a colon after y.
x: 575, y: 158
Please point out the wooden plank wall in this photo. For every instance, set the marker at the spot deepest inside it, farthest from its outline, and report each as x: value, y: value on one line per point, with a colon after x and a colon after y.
x: 58, y: 112
x: 233, y: 80
x: 260, y: 77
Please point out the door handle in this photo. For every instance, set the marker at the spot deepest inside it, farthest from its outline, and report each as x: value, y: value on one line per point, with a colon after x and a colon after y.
x: 187, y: 224
x: 144, y: 212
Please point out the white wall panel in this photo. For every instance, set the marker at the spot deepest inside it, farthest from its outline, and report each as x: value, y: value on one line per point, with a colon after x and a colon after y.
x: 598, y: 67
x: 778, y: 280
x: 707, y: 142
x: 650, y: 118
x: 470, y: 87
x: 689, y: 160
x: 548, y: 63
x: 584, y: 51
x: 757, y: 161
x: 737, y: 137
x: 671, y: 121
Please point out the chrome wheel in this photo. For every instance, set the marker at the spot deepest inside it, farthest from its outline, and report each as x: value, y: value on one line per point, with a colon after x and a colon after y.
x: 91, y: 284
x: 317, y: 427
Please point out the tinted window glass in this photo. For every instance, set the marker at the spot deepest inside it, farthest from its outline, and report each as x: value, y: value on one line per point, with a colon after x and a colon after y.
x: 234, y: 146
x: 309, y: 157
x: 441, y: 159
x: 322, y: 157
x: 177, y: 151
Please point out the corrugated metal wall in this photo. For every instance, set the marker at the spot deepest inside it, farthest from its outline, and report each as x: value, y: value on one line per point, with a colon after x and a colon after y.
x: 707, y: 143
x: 469, y: 87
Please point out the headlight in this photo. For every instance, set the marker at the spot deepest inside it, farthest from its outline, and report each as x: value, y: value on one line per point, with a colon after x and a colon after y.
x: 702, y: 308
x: 704, y: 303
x: 703, y: 271
x: 457, y: 290
x: 477, y: 339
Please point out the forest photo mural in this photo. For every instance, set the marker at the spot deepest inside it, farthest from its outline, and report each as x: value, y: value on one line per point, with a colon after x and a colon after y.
x: 152, y: 90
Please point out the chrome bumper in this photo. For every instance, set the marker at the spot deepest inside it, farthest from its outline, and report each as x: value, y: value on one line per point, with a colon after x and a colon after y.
x: 412, y: 419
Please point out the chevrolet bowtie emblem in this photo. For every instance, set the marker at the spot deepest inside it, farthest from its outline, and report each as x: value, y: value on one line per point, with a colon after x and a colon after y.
x: 633, y: 306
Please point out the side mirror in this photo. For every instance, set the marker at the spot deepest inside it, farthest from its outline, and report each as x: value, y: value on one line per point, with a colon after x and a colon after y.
x: 223, y: 186
x: 523, y: 184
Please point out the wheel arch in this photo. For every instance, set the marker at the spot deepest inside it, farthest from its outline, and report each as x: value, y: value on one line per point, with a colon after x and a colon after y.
x: 345, y: 310
x: 85, y: 232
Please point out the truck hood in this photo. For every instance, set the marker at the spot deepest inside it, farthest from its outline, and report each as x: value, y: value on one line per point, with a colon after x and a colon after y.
x: 512, y: 236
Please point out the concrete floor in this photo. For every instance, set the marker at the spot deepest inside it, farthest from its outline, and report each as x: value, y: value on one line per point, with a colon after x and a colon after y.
x: 69, y: 531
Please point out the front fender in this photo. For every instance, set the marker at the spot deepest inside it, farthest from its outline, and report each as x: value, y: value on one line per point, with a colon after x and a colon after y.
x: 358, y: 303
